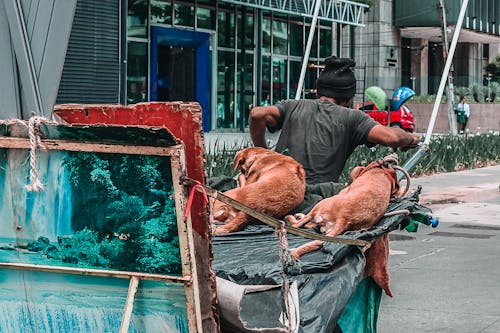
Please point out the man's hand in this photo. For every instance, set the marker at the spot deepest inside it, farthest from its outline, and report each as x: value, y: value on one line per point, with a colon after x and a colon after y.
x: 415, y: 140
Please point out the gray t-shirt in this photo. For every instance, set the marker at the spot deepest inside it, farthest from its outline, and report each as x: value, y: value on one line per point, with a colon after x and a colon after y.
x: 321, y: 136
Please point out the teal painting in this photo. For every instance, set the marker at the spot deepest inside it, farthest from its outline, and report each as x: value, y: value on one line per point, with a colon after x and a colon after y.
x: 96, y: 210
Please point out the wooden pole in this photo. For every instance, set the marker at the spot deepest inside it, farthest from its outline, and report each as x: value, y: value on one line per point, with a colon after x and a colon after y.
x: 129, y: 304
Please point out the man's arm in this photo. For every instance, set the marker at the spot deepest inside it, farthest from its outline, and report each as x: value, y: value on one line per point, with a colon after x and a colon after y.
x: 260, y: 118
x: 393, y: 137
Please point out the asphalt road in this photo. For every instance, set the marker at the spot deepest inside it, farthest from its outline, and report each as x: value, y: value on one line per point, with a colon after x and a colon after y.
x: 447, y: 279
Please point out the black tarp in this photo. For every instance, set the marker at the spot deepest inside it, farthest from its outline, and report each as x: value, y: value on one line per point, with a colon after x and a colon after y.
x: 325, y: 279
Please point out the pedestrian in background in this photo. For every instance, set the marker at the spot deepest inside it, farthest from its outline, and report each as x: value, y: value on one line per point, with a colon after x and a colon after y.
x: 463, y: 113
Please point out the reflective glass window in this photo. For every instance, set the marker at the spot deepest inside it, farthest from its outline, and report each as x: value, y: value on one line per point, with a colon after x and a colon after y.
x: 280, y: 37
x: 225, y: 90
x: 266, y: 81
x: 184, y: 15
x: 161, y: 11
x: 137, y: 72
x: 205, y: 18
x: 279, y: 79
x: 248, y: 30
x: 295, y: 67
x: 245, y: 69
x: 310, y: 84
x: 137, y: 18
x: 225, y: 29
x: 314, y: 45
x: 325, y: 45
x: 296, y: 40
x: 266, y: 34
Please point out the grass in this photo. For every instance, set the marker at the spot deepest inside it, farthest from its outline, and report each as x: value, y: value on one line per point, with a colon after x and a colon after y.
x: 447, y: 153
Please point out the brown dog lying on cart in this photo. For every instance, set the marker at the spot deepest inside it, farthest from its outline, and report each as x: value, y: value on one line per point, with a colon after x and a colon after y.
x: 359, y: 206
x: 272, y: 183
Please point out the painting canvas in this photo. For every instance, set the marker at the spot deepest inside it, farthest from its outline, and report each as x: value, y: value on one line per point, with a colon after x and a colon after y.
x: 109, y: 211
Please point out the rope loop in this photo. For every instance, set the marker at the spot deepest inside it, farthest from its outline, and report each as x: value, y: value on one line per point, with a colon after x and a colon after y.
x: 284, y: 258
x: 34, y: 133
x: 196, y: 186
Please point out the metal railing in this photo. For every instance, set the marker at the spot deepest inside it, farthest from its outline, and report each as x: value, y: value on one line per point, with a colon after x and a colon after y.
x: 341, y: 11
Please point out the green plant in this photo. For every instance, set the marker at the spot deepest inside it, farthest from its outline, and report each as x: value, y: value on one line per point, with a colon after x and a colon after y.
x: 461, y: 91
x: 220, y: 157
x: 475, y: 91
x: 427, y: 99
x: 447, y: 153
x: 494, y: 90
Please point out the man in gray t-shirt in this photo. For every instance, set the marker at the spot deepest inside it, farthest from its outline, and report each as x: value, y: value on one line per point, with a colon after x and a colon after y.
x: 321, y: 134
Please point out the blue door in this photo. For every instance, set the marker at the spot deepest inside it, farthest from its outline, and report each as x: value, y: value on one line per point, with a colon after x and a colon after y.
x: 180, y: 68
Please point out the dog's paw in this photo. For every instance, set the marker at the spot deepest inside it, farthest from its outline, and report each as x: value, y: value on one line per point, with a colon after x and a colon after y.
x: 295, y: 254
x: 220, y: 231
x: 299, y: 216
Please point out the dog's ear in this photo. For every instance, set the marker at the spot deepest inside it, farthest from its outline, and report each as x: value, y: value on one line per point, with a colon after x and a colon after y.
x: 245, y: 158
x: 239, y: 158
x: 356, y: 172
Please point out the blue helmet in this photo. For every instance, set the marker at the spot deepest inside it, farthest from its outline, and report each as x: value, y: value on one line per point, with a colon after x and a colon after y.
x: 401, y: 95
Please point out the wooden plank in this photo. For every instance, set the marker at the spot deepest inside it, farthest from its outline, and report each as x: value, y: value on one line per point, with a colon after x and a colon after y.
x: 186, y: 246
x: 129, y: 304
x: 18, y: 143
x: 96, y: 272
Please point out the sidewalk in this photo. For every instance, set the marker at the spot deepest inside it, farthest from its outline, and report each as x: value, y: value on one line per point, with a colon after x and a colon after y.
x: 473, y: 195
x: 447, y: 279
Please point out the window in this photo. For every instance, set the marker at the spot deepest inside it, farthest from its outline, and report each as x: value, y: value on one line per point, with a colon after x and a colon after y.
x: 266, y: 80
x: 137, y: 18
x: 205, y: 18
x: 296, y: 40
x: 280, y: 37
x: 279, y: 79
x: 266, y: 34
x: 184, y: 15
x: 225, y: 28
x: 314, y: 45
x: 161, y: 12
x: 225, y: 90
x: 137, y: 72
x: 325, y: 44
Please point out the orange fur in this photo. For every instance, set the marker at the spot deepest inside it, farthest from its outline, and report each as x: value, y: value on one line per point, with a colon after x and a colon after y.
x: 272, y: 183
x: 359, y: 206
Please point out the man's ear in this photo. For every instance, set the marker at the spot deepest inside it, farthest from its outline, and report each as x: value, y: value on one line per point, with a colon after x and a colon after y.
x: 357, y: 171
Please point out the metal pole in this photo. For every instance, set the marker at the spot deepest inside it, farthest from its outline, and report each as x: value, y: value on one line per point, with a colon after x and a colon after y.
x: 308, y: 50
x: 449, y: 92
x: 446, y: 70
x: 424, y: 147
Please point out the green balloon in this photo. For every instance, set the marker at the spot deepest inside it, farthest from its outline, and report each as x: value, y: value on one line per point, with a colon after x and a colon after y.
x: 377, y: 95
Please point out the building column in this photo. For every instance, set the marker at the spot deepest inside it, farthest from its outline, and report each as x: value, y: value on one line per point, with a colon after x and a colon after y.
x: 420, y: 65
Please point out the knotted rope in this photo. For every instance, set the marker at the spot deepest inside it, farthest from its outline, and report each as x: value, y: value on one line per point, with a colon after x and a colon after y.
x: 34, y: 134
x: 35, y: 143
x: 283, y: 256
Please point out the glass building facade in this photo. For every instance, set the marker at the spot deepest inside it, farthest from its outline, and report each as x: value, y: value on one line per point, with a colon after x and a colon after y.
x: 227, y: 57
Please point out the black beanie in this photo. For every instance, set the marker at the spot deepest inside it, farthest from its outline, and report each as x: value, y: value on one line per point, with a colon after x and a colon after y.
x: 337, y: 79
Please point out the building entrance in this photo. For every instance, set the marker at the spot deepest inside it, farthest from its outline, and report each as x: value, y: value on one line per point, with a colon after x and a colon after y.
x: 180, y: 67
x: 176, y: 73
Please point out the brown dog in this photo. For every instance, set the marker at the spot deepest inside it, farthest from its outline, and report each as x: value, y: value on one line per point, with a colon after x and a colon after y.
x: 272, y: 183
x: 359, y: 206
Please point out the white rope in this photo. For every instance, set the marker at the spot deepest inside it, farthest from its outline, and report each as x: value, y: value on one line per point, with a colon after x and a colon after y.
x: 34, y: 134
x: 35, y: 184
x: 283, y: 255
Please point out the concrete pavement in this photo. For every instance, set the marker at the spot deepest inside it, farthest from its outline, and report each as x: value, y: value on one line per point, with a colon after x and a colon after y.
x: 448, y: 279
